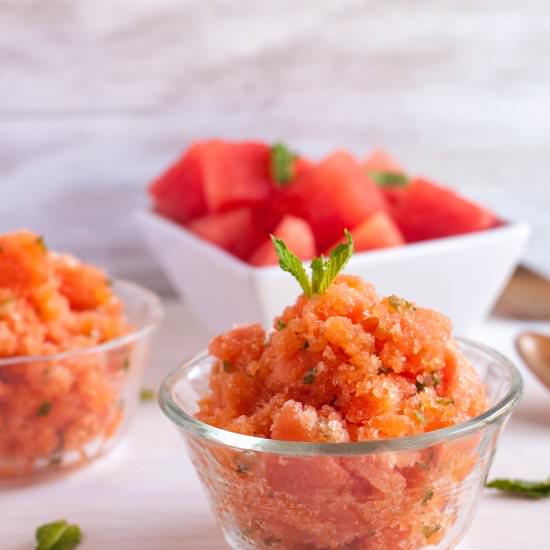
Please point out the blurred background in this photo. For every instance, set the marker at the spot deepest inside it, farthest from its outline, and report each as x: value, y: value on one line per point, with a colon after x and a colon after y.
x: 98, y: 96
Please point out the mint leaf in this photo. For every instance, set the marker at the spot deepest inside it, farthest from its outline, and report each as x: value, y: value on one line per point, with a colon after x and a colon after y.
x: 430, y: 530
x: 227, y: 366
x: 292, y: 264
x: 44, y: 408
x: 146, y: 395
x: 317, y: 273
x: 388, y: 179
x: 282, y: 164
x: 309, y: 376
x: 323, y: 272
x: 527, y: 489
x: 339, y: 257
x: 58, y: 535
x: 420, y: 417
x: 42, y: 243
x: 442, y: 401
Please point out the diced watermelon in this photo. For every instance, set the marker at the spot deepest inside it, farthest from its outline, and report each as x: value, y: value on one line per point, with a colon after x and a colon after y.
x: 429, y: 211
x: 297, y: 235
x: 380, y: 161
x: 235, y: 174
x: 213, y: 176
x: 178, y: 194
x: 237, y: 231
x: 377, y: 231
x: 333, y: 195
x: 393, y: 196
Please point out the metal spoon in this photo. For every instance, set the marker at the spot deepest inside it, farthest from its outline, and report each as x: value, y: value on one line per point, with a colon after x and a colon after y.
x: 534, y: 349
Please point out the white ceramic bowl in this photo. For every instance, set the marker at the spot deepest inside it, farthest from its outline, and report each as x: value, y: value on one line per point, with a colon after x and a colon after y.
x: 459, y: 276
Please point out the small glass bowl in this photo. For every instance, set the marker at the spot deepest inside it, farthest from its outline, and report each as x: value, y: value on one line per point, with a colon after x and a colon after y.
x: 405, y: 493
x: 60, y: 411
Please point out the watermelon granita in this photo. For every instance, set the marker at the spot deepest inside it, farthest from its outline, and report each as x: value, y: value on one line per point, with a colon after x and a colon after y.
x: 52, y: 406
x: 342, y: 365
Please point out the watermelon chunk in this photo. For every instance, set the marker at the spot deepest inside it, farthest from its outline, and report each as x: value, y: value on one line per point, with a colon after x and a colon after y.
x: 297, y: 235
x: 333, y: 195
x: 429, y: 211
x: 377, y: 231
x: 178, y: 194
x: 213, y: 176
x: 235, y: 174
x: 380, y: 161
x: 237, y: 231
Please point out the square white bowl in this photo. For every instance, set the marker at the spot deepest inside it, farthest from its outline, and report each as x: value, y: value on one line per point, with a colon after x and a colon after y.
x: 460, y: 276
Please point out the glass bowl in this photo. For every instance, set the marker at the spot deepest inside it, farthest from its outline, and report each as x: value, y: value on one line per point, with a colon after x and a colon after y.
x: 404, y: 494
x: 60, y: 411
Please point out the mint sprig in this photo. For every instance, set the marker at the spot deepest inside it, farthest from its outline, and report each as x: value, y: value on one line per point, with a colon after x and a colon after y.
x: 527, y: 489
x: 282, y: 164
x: 388, y: 179
x: 323, y: 271
x: 58, y: 535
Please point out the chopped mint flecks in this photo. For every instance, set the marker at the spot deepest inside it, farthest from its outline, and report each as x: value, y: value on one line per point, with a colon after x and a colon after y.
x: 309, y: 376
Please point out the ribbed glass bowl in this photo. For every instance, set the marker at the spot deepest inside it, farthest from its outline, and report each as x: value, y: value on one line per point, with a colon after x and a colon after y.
x: 397, y: 494
x: 77, y: 404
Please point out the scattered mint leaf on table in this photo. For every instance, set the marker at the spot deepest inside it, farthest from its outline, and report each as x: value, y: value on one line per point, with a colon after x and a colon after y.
x: 323, y: 271
x: 282, y: 164
x: 146, y: 395
x: 388, y: 179
x: 58, y: 535
x: 527, y: 489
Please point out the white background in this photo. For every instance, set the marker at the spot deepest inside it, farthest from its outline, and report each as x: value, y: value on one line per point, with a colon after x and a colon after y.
x: 97, y: 96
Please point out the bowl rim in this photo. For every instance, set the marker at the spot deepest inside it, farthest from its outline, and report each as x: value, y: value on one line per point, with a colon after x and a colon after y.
x: 409, y: 249
x: 157, y: 313
x: 494, y: 414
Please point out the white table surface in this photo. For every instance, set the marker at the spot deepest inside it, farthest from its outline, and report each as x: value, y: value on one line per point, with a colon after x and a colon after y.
x: 145, y: 495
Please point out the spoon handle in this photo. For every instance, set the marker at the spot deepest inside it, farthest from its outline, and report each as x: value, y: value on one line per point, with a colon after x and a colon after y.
x: 527, y: 296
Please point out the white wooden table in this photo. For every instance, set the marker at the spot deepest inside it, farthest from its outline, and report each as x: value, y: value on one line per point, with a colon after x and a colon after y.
x: 145, y: 495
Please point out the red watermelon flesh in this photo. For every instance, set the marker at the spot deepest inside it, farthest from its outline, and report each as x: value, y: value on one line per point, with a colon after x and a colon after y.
x: 429, y: 211
x: 393, y: 195
x: 380, y: 161
x: 297, y: 235
x: 333, y: 195
x: 237, y: 231
x: 235, y: 174
x: 178, y: 194
x: 377, y: 231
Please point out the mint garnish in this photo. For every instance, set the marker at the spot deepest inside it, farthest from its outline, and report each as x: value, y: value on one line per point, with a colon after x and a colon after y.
x: 323, y: 271
x: 282, y: 164
x: 388, y: 179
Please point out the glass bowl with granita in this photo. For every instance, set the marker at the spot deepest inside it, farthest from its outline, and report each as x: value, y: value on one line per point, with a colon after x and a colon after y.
x: 357, y: 423
x: 73, y: 346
